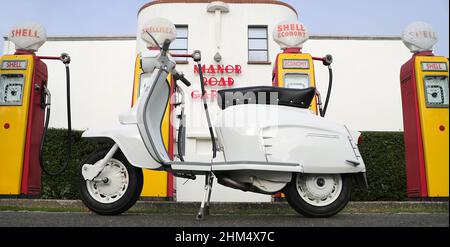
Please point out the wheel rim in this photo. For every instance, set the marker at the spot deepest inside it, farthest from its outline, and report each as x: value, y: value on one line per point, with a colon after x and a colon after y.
x: 116, y: 185
x: 319, y: 189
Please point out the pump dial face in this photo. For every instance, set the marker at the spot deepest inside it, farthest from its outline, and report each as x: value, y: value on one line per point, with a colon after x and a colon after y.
x: 436, y: 91
x: 11, y: 89
x: 296, y: 80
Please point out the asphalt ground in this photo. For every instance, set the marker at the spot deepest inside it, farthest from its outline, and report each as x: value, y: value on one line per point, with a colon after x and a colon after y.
x: 159, y: 223
x: 87, y: 219
x: 72, y: 213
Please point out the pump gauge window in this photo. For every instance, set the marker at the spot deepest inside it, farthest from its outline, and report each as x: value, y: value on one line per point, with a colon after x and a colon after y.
x: 296, y: 80
x: 436, y: 91
x: 11, y: 89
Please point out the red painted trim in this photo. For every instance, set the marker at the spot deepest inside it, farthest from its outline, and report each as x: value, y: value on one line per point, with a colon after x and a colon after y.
x: 181, y: 55
x: 275, y: 82
x: 292, y: 51
x: 24, y: 52
x: 31, y: 173
x: 414, y: 153
x: 318, y: 58
x: 48, y: 58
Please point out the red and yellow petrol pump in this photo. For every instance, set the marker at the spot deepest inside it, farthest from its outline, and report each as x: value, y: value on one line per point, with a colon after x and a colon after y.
x: 294, y: 69
x: 425, y: 98
x: 24, y: 98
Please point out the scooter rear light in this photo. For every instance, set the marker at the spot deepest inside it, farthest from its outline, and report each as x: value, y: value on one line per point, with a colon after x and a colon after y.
x: 360, y: 140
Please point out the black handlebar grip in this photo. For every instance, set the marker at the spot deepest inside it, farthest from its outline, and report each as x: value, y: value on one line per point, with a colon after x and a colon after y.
x: 166, y: 45
x: 185, y: 81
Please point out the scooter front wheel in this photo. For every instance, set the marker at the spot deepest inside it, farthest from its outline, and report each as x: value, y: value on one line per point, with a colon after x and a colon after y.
x: 319, y: 195
x: 115, y: 189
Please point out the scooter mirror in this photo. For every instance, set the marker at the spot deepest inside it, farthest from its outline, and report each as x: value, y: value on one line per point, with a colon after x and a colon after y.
x: 161, y: 29
x: 28, y: 36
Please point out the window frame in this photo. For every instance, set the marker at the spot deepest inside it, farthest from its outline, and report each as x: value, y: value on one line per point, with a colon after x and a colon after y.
x: 249, y: 49
x: 184, y: 51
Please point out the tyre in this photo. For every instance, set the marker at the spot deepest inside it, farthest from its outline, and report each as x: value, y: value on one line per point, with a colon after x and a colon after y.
x: 117, y: 187
x: 318, y: 195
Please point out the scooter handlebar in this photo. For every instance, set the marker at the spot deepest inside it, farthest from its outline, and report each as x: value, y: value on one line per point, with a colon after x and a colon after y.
x: 166, y: 45
x: 185, y: 81
x: 180, y: 76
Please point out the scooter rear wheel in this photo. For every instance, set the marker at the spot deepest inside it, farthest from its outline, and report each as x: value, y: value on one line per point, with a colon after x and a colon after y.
x: 319, y: 195
x: 117, y: 187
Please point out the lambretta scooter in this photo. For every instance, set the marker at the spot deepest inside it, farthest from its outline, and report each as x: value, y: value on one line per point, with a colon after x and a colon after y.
x: 284, y: 147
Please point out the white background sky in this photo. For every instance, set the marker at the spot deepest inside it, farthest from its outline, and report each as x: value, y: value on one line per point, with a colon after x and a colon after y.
x: 337, y: 17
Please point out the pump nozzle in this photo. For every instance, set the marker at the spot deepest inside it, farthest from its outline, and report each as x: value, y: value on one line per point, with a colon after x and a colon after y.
x: 327, y: 60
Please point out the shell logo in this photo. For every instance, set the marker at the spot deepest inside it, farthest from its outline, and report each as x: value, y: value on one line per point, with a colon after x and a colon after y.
x: 290, y: 34
x: 28, y: 36
x: 161, y: 29
x: 419, y: 36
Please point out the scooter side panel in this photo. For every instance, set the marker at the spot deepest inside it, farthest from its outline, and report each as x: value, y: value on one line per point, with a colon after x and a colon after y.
x: 130, y: 143
x: 288, y: 135
x: 318, y: 150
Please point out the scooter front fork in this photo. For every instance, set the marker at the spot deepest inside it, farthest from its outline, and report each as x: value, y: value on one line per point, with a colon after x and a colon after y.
x: 91, y: 171
x: 204, y: 206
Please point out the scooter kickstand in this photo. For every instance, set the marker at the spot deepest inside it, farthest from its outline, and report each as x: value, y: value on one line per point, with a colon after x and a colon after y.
x: 204, y: 207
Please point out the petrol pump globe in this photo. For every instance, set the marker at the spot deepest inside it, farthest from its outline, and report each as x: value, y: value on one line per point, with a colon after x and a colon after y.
x: 290, y: 34
x: 161, y: 29
x: 28, y: 36
x: 419, y: 36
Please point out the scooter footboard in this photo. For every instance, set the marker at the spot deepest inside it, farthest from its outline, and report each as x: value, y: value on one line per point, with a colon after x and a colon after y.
x: 256, y: 166
x: 200, y: 167
x: 128, y: 139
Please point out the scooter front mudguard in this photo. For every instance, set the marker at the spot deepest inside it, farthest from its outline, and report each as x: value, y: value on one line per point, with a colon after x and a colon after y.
x: 129, y: 140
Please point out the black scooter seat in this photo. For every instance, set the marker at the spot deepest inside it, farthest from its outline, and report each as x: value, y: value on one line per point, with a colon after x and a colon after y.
x: 300, y: 98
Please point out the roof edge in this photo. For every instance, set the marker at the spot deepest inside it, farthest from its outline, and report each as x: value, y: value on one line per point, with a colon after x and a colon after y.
x: 133, y: 37
x: 226, y: 1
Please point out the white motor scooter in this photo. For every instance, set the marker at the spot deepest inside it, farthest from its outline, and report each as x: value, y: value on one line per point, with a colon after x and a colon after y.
x: 288, y: 149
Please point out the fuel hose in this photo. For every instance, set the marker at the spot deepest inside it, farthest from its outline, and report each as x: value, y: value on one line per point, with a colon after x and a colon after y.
x: 330, y: 86
x: 68, y: 156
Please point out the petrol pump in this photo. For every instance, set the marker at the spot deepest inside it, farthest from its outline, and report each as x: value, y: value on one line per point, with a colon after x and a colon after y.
x: 24, y: 104
x: 425, y: 98
x: 294, y: 69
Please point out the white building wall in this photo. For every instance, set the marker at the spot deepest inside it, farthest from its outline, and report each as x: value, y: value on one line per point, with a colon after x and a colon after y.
x: 366, y: 87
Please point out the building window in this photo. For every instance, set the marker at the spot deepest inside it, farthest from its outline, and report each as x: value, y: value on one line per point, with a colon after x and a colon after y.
x: 180, y: 45
x: 258, y: 50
